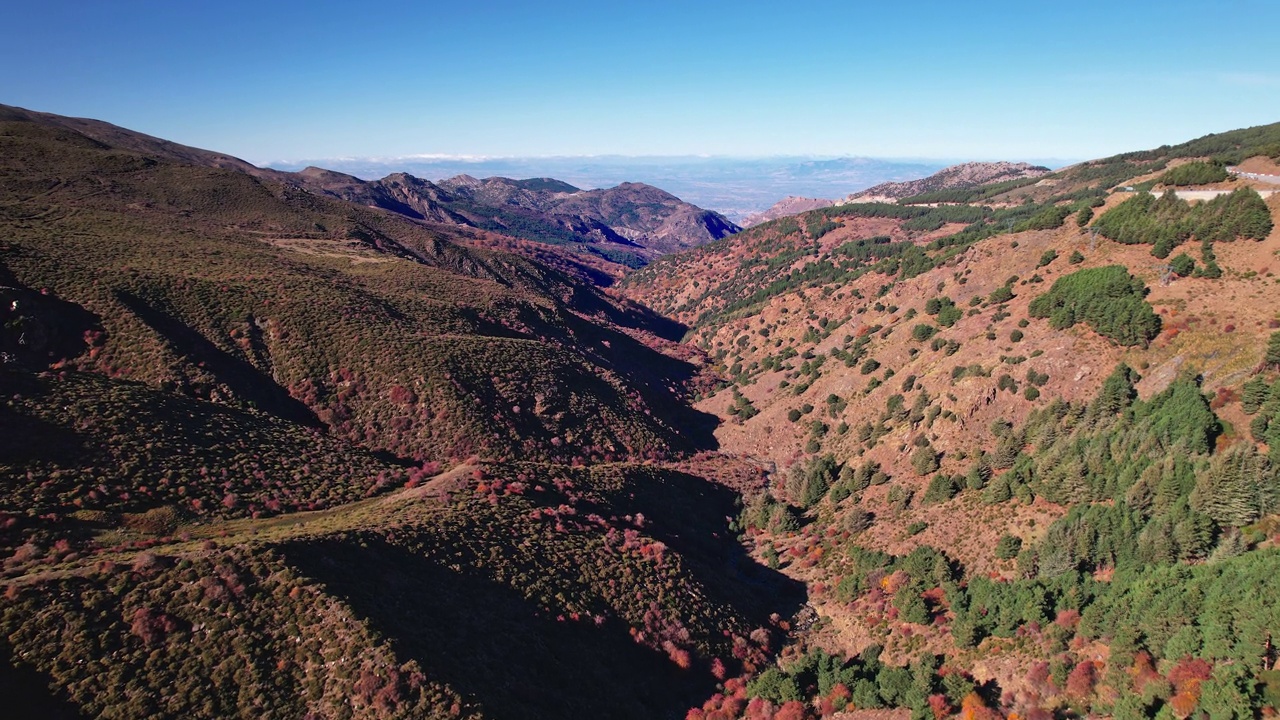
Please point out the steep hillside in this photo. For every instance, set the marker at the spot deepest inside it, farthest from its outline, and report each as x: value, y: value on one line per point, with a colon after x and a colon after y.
x: 109, y: 135
x: 626, y: 226
x: 955, y: 177
x: 237, y: 290
x: 498, y: 591
x: 1001, y: 442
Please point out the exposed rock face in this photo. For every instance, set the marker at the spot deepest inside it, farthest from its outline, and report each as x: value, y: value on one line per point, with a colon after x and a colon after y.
x: 790, y: 205
x: 647, y: 216
x: 957, y: 176
x: 422, y: 196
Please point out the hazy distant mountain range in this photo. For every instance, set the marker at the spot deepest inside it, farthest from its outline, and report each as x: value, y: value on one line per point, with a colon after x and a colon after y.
x: 735, y: 187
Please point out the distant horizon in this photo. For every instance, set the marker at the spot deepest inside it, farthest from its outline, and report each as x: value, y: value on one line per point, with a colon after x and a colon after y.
x: 737, y: 187
x: 1053, y: 163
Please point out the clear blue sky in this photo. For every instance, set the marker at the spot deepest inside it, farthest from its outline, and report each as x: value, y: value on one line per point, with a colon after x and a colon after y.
x: 270, y: 80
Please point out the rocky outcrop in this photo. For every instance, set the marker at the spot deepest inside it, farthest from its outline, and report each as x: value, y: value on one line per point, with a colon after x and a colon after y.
x: 790, y: 205
x: 965, y: 175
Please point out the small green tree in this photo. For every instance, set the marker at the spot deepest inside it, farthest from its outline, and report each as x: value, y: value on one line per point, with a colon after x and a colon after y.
x: 943, y: 487
x: 922, y: 332
x: 819, y: 475
x: 1008, y: 547
x: 1272, y: 358
x: 1002, y: 294
x: 1183, y: 265
x: 924, y: 460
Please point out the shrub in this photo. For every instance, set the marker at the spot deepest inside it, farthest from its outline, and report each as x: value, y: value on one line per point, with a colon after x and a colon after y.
x: 1008, y: 547
x: 1272, y: 356
x: 944, y: 309
x: 922, y: 332
x: 924, y: 460
x: 1183, y: 265
x: 941, y: 488
x: 1047, y: 218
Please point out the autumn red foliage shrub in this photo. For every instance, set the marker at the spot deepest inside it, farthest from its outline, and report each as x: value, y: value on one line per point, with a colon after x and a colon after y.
x: 1081, y: 681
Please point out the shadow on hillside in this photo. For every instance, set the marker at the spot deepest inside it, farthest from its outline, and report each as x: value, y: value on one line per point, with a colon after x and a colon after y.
x: 25, y: 439
x: 37, y: 329
x: 245, y: 381
x: 626, y: 313
x: 651, y: 372
x: 490, y: 644
x: 27, y: 694
x: 691, y: 516
x: 486, y: 641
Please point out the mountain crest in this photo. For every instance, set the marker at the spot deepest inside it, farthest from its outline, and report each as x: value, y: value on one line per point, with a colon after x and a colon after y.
x: 964, y: 175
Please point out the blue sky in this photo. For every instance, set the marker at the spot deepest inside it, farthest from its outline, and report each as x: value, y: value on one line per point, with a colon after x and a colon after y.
x: 993, y: 80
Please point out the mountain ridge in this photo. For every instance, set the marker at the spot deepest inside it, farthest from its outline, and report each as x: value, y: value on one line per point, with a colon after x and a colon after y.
x: 734, y: 186
x: 964, y: 175
x: 629, y: 224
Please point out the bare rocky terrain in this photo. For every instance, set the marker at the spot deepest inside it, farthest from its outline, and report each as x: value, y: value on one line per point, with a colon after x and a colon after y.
x: 965, y: 175
x: 787, y: 206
